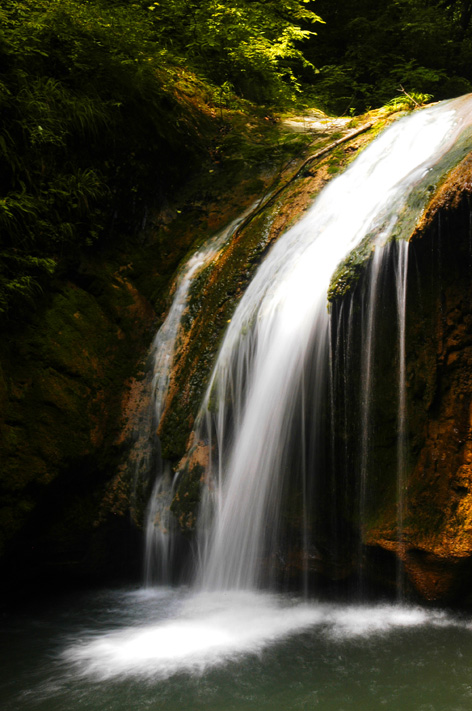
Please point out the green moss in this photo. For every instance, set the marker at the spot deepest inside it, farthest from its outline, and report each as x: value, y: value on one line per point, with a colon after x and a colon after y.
x: 215, y: 291
x: 349, y: 271
x: 187, y: 497
x: 61, y: 384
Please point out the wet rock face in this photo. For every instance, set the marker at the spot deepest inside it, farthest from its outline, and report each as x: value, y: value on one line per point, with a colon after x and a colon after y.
x: 427, y: 546
x: 440, y: 505
x: 430, y: 541
x: 434, y: 542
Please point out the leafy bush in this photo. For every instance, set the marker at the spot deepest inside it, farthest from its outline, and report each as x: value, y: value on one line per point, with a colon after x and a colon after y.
x: 366, y: 49
x: 91, y: 126
x: 254, y: 45
x: 104, y: 108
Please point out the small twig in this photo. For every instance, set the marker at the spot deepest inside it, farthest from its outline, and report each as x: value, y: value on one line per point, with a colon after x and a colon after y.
x: 403, y: 91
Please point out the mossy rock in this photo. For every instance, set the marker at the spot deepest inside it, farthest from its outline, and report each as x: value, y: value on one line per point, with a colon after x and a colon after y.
x: 61, y: 382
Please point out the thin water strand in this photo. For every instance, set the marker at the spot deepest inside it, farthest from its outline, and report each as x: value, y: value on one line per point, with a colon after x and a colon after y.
x: 159, y: 524
x: 367, y: 385
x: 402, y: 417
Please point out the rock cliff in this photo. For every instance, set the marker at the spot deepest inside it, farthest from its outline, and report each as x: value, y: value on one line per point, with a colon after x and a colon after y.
x: 435, y: 544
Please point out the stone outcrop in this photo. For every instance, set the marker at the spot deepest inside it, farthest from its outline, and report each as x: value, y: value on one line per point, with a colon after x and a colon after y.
x: 61, y: 387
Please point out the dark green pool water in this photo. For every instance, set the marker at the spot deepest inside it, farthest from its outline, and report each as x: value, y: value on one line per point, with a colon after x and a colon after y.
x: 171, y: 649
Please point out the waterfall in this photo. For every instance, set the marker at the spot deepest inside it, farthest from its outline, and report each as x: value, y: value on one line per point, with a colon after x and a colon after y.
x: 366, y: 385
x: 382, y: 297
x: 158, y: 521
x: 266, y: 412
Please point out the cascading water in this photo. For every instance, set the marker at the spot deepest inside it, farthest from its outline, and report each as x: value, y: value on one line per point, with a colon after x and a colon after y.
x: 402, y: 426
x: 278, y: 341
x: 159, y: 523
x: 368, y: 336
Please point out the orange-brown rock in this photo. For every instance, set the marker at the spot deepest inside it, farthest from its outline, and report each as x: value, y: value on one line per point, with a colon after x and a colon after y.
x: 434, y: 538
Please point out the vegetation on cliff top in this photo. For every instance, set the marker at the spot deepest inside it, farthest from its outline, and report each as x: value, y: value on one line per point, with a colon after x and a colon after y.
x: 108, y: 107
x: 367, y: 49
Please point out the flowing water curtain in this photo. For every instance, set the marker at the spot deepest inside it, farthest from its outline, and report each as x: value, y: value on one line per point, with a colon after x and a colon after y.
x: 159, y: 523
x: 161, y: 531
x: 276, y: 354
x: 401, y: 274
x: 368, y: 376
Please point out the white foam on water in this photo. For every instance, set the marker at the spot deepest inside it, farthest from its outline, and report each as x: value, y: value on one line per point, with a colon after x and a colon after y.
x: 208, y: 630
x: 211, y: 629
x: 344, y: 622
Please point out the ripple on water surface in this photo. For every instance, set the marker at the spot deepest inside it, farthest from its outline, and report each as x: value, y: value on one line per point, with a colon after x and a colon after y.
x: 169, y: 650
x: 166, y: 649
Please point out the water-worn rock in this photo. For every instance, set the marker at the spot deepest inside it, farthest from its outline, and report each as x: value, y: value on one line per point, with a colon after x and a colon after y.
x: 428, y: 547
x: 434, y: 541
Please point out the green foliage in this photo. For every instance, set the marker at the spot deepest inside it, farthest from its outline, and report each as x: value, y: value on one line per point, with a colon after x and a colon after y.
x: 367, y: 49
x: 409, y: 101
x: 107, y: 107
x: 252, y: 45
x: 88, y: 113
